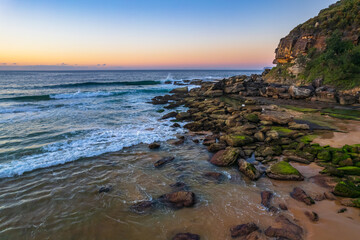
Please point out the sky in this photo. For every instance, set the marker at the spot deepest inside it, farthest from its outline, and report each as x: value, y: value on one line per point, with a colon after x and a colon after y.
x: 146, y: 34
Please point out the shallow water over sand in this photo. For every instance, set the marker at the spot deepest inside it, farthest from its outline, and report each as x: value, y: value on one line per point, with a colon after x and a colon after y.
x: 63, y: 202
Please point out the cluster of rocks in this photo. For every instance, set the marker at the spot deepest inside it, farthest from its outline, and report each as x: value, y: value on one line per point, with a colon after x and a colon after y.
x: 254, y: 86
x: 260, y: 141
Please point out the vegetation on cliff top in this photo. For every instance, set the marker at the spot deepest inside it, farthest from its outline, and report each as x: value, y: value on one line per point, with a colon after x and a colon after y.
x: 338, y: 65
x: 343, y: 15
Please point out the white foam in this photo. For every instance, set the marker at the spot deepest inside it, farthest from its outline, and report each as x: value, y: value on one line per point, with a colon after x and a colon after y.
x: 79, y: 94
x: 95, y: 143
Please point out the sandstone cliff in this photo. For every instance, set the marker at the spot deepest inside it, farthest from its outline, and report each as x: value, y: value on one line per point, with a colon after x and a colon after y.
x: 343, y: 16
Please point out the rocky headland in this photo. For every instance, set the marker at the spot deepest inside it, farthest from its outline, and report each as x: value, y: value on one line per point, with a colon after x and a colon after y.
x: 262, y: 129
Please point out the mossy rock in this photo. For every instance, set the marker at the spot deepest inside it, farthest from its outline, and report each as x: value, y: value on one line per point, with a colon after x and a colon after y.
x: 282, y: 131
x: 238, y: 140
x: 347, y: 189
x: 252, y: 117
x: 356, y: 202
x: 290, y: 146
x: 277, y: 150
x: 339, y: 156
x: 299, y: 153
x: 324, y: 155
x: 284, y: 171
x: 350, y: 170
x: 313, y: 149
x: 225, y: 158
x: 249, y: 170
x: 307, y: 138
x: 350, y: 149
x: 160, y: 110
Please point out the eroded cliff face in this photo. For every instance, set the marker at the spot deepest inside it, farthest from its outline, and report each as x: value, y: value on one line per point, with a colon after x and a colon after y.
x: 343, y: 16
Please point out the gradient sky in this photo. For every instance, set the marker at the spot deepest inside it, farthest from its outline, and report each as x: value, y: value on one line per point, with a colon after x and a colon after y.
x: 143, y: 34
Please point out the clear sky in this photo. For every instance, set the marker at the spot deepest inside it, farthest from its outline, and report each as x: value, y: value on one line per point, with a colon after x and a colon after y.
x: 147, y: 34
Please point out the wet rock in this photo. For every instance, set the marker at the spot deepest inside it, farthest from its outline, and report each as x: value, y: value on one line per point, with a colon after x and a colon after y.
x: 286, y: 230
x: 342, y: 210
x: 329, y: 196
x: 272, y: 134
x: 252, y: 117
x: 163, y: 161
x: 243, y: 230
x: 154, y: 145
x: 169, y: 115
x: 283, y: 206
x: 347, y: 189
x: 214, y: 176
x: 186, y: 236
x: 194, y: 126
x: 179, y: 186
x: 238, y: 140
x: 225, y: 157
x: 249, y: 170
x: 301, y: 196
x: 178, y: 142
x: 181, y: 90
x: 178, y: 199
x: 259, y: 136
x: 313, y: 216
x: 175, y: 125
x: 142, y: 207
x: 183, y: 116
x: 105, y: 189
x: 266, y: 198
x: 284, y: 171
x: 215, y: 147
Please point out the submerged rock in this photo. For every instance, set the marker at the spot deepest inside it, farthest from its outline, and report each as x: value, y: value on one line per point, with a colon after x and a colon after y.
x: 178, y: 199
x: 105, y: 189
x: 186, y: 236
x: 179, y: 186
x: 284, y: 171
x: 154, y: 145
x: 301, y: 196
x: 286, y: 230
x: 215, y: 176
x: 243, y: 230
x: 142, y: 207
x: 225, y: 157
x: 163, y: 161
x: 249, y: 170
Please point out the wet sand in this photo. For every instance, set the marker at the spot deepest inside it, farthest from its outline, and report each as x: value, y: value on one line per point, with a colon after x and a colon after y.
x: 63, y: 202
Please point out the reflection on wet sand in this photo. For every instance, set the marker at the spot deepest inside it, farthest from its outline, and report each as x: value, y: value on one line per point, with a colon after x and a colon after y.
x: 64, y: 202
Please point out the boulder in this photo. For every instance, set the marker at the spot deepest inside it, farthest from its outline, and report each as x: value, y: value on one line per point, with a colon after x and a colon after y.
x: 186, y: 236
x: 225, y: 157
x: 154, y: 145
x: 300, y: 92
x: 238, y: 140
x: 347, y: 99
x: 178, y: 199
x: 347, y: 189
x: 286, y: 230
x: 301, y: 196
x: 215, y: 147
x: 243, y: 230
x: 312, y: 216
x: 181, y: 90
x: 183, y: 116
x: 266, y: 198
x: 249, y: 170
x: 169, y: 115
x: 259, y: 136
x: 252, y: 117
x: 284, y: 171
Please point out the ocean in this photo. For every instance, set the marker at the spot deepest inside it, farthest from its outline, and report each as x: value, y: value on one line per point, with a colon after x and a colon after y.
x: 51, y: 118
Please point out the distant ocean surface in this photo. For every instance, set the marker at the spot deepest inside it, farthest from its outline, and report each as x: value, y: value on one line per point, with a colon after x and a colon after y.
x: 50, y: 118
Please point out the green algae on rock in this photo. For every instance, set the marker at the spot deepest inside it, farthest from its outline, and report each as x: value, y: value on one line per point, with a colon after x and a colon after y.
x: 225, y: 158
x: 347, y: 189
x: 238, y: 140
x: 284, y: 171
